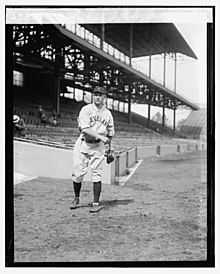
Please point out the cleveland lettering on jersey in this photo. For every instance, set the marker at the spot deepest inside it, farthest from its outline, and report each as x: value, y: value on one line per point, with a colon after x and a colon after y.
x: 99, y: 119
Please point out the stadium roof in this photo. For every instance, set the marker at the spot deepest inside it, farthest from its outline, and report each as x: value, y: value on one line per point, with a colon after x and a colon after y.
x: 165, y: 39
x: 44, y: 38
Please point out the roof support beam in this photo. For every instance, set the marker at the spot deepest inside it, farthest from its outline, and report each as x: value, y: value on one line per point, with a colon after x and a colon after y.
x: 57, y: 78
x: 102, y: 36
x: 129, y: 104
x: 174, y: 110
x: 131, y: 44
x: 150, y: 66
x: 174, y: 119
x: 163, y: 116
x: 148, y: 122
x: 164, y: 70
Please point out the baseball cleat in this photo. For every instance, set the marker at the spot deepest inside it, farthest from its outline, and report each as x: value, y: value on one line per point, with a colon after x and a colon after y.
x: 75, y: 203
x: 95, y: 208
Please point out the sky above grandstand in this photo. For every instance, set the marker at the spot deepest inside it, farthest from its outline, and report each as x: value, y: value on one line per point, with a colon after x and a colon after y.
x: 191, y: 73
x: 192, y: 79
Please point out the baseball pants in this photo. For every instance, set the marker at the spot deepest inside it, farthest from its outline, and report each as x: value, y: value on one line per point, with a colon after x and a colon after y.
x: 85, y: 154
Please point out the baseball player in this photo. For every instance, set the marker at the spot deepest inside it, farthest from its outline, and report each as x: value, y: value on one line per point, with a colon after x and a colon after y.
x: 96, y: 127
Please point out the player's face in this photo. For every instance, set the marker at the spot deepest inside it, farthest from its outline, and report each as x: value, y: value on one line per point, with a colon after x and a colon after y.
x: 99, y: 98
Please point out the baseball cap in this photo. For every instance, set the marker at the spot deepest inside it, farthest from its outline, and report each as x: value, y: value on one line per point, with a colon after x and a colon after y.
x: 15, y: 118
x: 99, y: 90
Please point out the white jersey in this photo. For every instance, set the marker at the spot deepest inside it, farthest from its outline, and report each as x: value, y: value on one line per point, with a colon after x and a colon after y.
x: 100, y: 121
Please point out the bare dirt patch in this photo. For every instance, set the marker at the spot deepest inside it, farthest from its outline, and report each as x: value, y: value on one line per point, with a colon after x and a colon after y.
x: 158, y: 215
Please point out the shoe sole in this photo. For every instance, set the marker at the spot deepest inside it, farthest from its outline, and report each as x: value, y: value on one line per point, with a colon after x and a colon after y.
x: 92, y: 210
x: 81, y: 205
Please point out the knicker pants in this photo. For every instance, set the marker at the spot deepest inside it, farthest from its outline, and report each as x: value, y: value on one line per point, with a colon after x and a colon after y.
x: 85, y: 154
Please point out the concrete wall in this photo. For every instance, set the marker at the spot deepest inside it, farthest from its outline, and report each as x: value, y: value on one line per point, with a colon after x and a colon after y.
x: 145, y: 152
x: 183, y: 148
x: 39, y: 160
x: 192, y: 147
x: 168, y: 149
x: 131, y: 157
x: 122, y: 164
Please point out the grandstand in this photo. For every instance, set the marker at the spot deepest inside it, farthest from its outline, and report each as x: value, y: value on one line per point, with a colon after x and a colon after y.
x: 66, y: 131
x: 52, y: 62
x: 195, y: 126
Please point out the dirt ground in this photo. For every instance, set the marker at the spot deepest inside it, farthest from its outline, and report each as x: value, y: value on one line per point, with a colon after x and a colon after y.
x: 158, y: 215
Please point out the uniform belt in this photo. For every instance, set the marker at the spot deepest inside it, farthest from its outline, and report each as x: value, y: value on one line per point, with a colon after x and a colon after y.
x: 90, y: 141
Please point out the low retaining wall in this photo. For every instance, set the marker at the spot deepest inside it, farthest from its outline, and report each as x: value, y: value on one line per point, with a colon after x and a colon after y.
x: 145, y: 152
x: 121, y: 163
x: 192, y: 147
x: 183, y: 148
x: 131, y: 157
x: 40, y: 160
x: 167, y: 149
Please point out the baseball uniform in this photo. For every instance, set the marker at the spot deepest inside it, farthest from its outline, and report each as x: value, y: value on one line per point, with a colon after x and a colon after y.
x: 87, y: 150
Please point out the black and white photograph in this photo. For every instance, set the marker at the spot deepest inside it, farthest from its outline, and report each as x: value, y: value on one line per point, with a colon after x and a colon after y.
x: 110, y: 136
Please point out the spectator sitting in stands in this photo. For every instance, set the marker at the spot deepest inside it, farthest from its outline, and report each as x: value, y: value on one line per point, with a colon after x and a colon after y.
x: 42, y: 115
x: 19, y: 127
x: 54, y: 114
x: 53, y: 118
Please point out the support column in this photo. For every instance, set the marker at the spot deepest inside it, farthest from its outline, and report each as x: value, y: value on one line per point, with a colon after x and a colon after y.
x: 164, y: 70
x: 131, y: 45
x: 101, y: 78
x: 102, y: 36
x: 174, y: 119
x: 148, y: 121
x: 57, y: 78
x: 150, y: 66
x: 74, y: 93
x: 102, y: 47
x: 129, y: 105
x: 174, y: 111
x: 150, y: 37
x: 163, y: 117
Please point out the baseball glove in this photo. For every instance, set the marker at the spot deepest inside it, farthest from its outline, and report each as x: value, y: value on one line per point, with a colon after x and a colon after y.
x: 110, y: 156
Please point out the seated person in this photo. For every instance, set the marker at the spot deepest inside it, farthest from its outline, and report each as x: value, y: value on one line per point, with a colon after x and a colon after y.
x: 19, y: 127
x: 54, y: 114
x: 42, y: 115
x: 53, y: 118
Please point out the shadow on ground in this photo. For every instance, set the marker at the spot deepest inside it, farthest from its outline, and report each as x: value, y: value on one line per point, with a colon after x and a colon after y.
x: 113, y: 203
x: 108, y: 203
